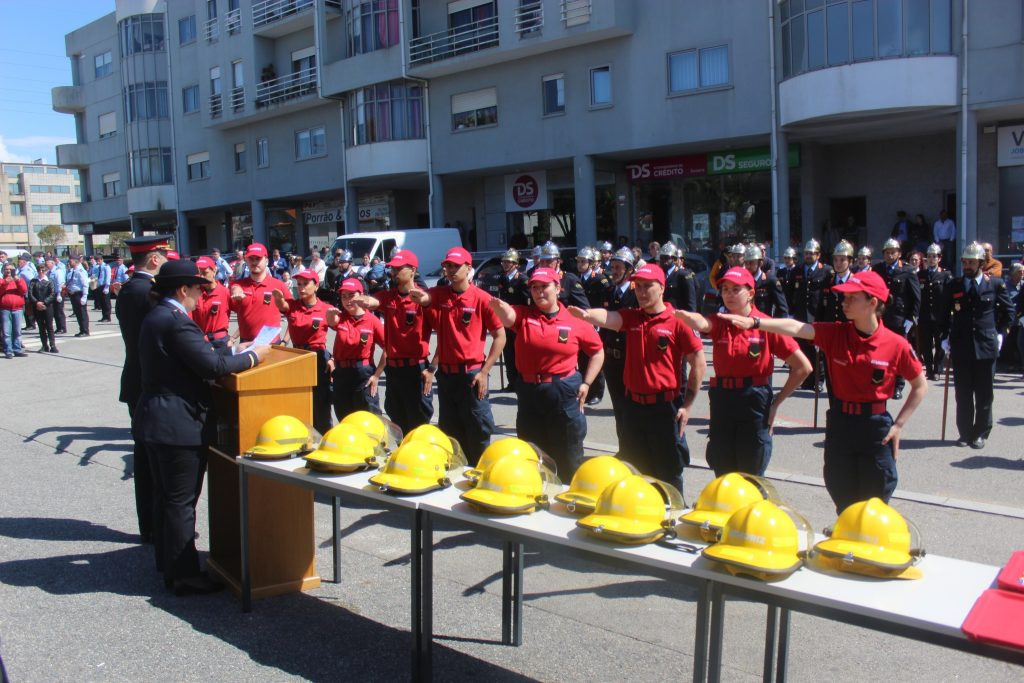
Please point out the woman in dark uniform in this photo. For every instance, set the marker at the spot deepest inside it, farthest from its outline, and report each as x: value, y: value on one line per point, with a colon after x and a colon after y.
x: 742, y: 408
x: 864, y: 358
x: 171, y: 417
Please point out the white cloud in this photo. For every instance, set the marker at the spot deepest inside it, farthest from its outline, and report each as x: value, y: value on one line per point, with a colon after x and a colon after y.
x: 7, y: 155
x: 40, y: 141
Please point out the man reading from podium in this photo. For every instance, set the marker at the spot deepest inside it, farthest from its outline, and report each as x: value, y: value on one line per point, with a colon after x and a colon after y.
x: 171, y: 416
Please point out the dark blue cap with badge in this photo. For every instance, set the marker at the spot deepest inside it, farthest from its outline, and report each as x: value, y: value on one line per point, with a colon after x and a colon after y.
x: 139, y: 246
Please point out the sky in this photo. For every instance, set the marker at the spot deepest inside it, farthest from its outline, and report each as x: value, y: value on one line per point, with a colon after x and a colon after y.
x: 32, y: 62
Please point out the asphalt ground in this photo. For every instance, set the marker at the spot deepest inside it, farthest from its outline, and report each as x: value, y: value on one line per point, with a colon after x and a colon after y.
x: 80, y: 600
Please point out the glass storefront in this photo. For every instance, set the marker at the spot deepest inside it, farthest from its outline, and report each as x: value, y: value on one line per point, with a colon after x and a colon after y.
x: 528, y: 228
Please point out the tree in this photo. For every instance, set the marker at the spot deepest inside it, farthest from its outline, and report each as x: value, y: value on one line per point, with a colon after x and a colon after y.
x: 51, y: 237
x: 115, y: 241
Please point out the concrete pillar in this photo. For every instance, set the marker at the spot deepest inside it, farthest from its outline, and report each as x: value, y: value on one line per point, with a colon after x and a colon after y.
x: 182, y: 237
x: 301, y: 233
x: 967, y: 223
x: 351, y: 208
x: 259, y: 222
x: 437, y: 207
x: 781, y: 241
x: 585, y: 199
x: 810, y: 188
x: 87, y: 244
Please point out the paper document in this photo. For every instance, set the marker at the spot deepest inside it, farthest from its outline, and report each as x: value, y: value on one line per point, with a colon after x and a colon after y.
x: 267, y: 336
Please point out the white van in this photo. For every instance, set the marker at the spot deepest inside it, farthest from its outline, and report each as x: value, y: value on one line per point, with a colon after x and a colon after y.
x: 429, y: 244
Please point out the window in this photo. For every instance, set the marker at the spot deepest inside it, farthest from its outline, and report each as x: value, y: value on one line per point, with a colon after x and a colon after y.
x: 111, y: 184
x: 695, y: 69
x: 386, y: 111
x: 554, y: 94
x: 147, y: 101
x: 108, y: 124
x: 198, y: 165
x: 190, y: 99
x: 17, y: 208
x: 50, y: 189
x: 187, y: 30
x: 240, y: 157
x: 14, y: 188
x: 150, y: 166
x: 304, y: 66
x: 474, y: 109
x: 371, y: 25
x: 142, y: 33
x: 46, y: 208
x: 215, y: 80
x: 310, y: 143
x: 601, y: 86
x: 104, y: 64
x: 37, y: 227
x: 262, y: 153
x: 237, y: 74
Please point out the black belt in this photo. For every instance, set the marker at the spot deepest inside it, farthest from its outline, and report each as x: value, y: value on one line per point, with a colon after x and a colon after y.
x: 543, y: 377
x: 459, y: 369
x: 404, y: 362
x: 358, y: 363
x: 738, y: 382
x: 872, y: 408
x: 651, y: 399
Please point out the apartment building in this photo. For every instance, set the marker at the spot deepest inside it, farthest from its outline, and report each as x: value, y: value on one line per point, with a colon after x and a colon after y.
x: 31, y: 196
x: 518, y: 121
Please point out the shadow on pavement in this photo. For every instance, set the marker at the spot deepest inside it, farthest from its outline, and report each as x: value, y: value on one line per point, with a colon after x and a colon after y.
x: 1011, y: 421
x: 61, y: 529
x: 104, y: 435
x: 916, y: 444
x: 978, y: 462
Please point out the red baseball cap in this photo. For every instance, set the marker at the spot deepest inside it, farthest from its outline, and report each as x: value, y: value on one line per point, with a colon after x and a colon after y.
x: 403, y: 257
x: 308, y: 274
x: 351, y: 284
x: 458, y: 255
x: 739, y: 276
x: 650, y: 272
x: 255, y: 249
x: 205, y: 262
x: 173, y: 256
x: 544, y: 275
x: 867, y: 281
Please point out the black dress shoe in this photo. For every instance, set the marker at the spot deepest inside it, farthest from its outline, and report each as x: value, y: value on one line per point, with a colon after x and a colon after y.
x: 961, y: 443
x: 197, y: 585
x: 53, y: 349
x: 593, y: 400
x: 978, y: 443
x: 898, y: 395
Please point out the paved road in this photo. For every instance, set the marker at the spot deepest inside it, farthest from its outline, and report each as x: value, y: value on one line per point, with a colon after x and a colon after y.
x: 79, y: 599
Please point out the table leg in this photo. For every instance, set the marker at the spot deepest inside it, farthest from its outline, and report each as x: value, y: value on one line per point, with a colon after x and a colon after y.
x: 517, y: 595
x: 427, y: 596
x: 716, y: 634
x: 243, y: 522
x: 416, y: 584
x: 783, y: 656
x: 506, y: 593
x: 700, y: 636
x: 336, y: 519
x: 770, y: 629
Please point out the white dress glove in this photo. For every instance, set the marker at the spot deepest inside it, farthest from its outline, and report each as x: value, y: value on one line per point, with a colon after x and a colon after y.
x: 945, y: 345
x: 999, y: 343
x: 907, y: 324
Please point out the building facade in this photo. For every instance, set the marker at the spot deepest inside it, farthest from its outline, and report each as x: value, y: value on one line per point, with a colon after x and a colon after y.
x: 574, y: 120
x: 31, y: 196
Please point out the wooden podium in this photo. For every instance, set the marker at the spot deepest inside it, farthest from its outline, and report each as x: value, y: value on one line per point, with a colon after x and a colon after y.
x: 281, y: 538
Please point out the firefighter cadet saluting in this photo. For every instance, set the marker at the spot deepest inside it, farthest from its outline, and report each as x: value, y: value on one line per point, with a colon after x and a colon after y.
x: 133, y: 303
x: 211, y: 311
x: 550, y: 390
x: 975, y: 316
x: 905, y: 290
x: 742, y: 408
x: 620, y: 295
x: 252, y: 297
x: 655, y: 411
x: 935, y: 280
x: 804, y: 285
x: 864, y: 358
x: 406, y: 343
x: 356, y: 333
x: 680, y: 285
x: 768, y: 295
x: 510, y: 286
x: 462, y: 317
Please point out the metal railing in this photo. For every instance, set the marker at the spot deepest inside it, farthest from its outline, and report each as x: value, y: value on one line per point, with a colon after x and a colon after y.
x: 478, y: 35
x: 238, y: 98
x: 334, y: 4
x: 211, y: 30
x: 216, y: 106
x: 269, y: 11
x: 286, y: 87
x: 529, y: 18
x: 576, y: 11
x: 233, y: 20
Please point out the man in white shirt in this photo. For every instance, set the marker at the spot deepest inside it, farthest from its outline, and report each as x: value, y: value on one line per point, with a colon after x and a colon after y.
x: 944, y: 232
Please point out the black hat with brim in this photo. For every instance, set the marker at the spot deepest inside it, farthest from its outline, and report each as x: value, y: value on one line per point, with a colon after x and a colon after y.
x: 174, y: 274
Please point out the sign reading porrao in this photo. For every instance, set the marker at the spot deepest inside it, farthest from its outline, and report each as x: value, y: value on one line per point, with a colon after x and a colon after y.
x: 1011, y: 146
x: 526, y: 191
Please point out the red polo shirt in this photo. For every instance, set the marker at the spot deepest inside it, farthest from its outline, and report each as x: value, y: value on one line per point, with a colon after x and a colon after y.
x: 550, y: 345
x: 462, y: 322
x: 657, y: 345
x: 406, y: 332
x: 864, y: 369
x: 354, y: 339
x: 747, y: 353
x: 211, y: 311
x: 258, y: 309
x: 307, y: 325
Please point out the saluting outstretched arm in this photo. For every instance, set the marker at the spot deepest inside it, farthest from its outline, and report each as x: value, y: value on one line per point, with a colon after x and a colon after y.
x: 610, y: 320
x: 789, y: 327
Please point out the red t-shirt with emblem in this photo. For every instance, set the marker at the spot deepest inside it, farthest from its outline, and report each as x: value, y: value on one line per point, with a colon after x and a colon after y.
x: 406, y: 331
x: 747, y: 353
x: 462, y: 322
x: 258, y: 309
x: 212, y: 308
x: 550, y: 345
x: 355, y: 338
x: 864, y: 369
x: 657, y: 345
x: 307, y: 325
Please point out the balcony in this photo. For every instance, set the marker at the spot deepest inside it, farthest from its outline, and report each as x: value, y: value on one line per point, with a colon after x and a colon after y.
x: 216, y: 106
x: 237, y: 99
x: 211, y: 30
x: 233, y: 21
x: 275, y: 18
x: 68, y: 99
x: 73, y: 156
x: 529, y: 18
x: 100, y: 211
x: 576, y: 12
x: 473, y: 37
x: 288, y: 87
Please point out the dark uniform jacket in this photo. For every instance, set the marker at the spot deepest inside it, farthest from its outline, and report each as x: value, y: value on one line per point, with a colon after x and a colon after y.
x: 615, y: 342
x: 595, y: 287
x: 904, y: 293
x: 133, y: 303
x: 513, y: 291
x: 769, y: 297
x: 933, y: 293
x: 972, y: 320
x: 803, y: 290
x: 831, y: 310
x: 681, y: 289
x: 176, y: 362
x: 572, y: 293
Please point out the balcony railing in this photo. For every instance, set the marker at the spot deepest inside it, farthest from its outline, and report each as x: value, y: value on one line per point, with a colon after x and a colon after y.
x: 269, y: 11
x: 529, y: 18
x: 286, y: 87
x: 238, y: 98
x: 216, y: 106
x: 334, y: 4
x: 576, y: 12
x: 233, y: 21
x: 478, y: 35
x: 211, y: 30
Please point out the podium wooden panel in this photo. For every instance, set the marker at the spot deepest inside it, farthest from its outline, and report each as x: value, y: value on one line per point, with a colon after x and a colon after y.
x: 281, y: 538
